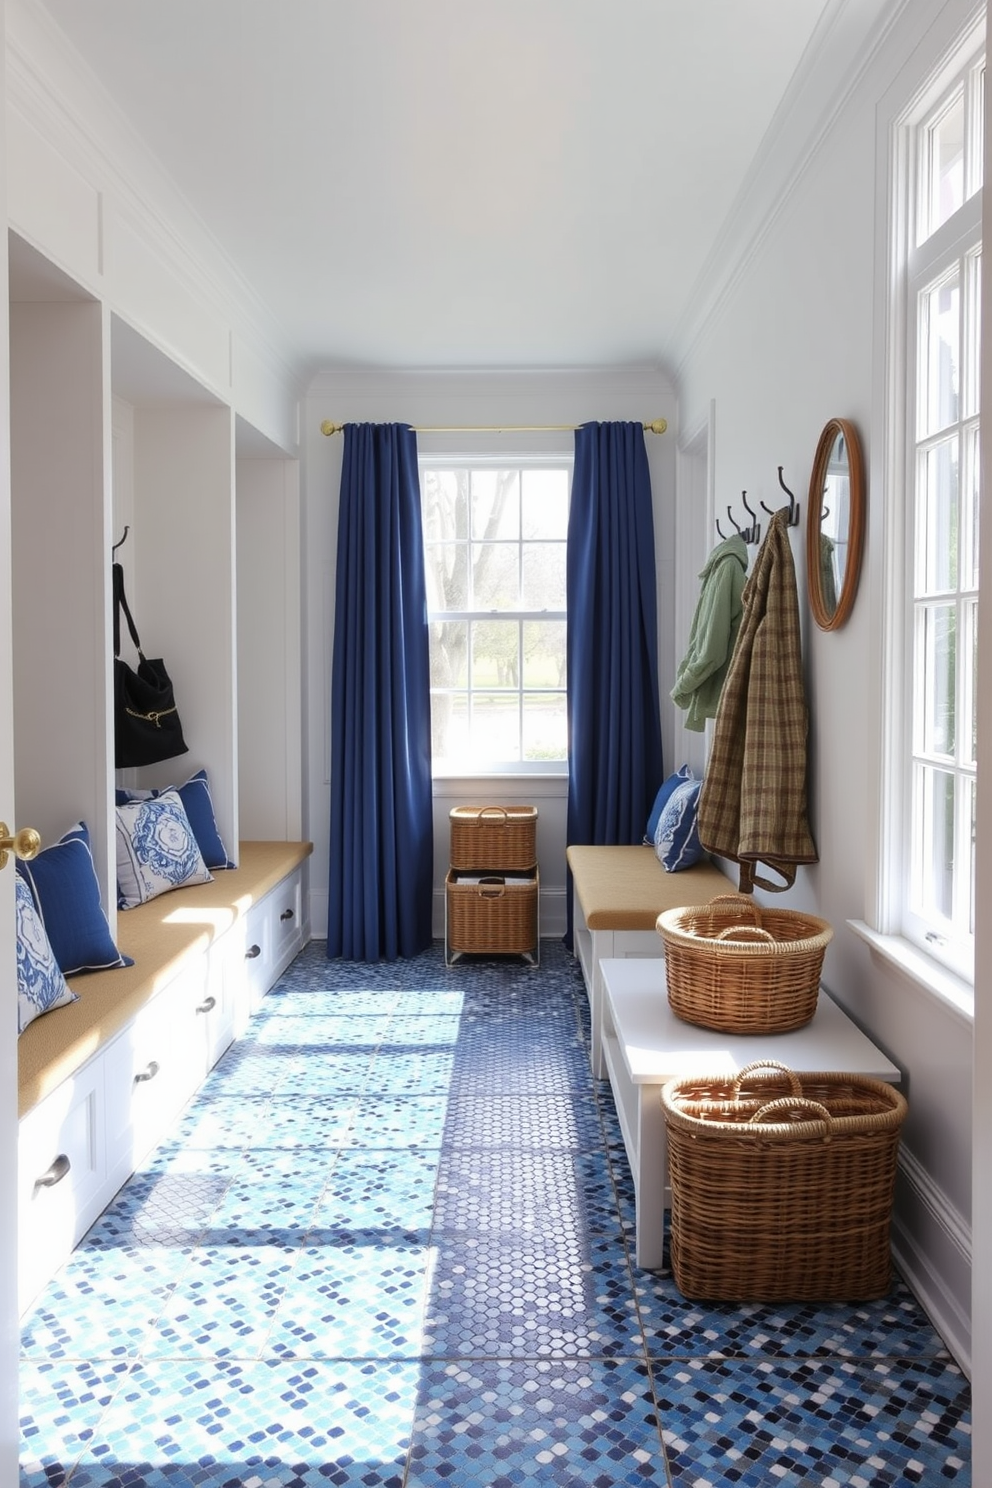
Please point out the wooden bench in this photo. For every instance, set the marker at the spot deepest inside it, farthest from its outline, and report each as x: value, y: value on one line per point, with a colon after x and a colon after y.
x: 618, y: 892
x: 100, y: 1079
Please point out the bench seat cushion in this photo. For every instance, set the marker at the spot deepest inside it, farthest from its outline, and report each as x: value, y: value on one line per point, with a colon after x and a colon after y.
x: 159, y: 936
x: 626, y: 888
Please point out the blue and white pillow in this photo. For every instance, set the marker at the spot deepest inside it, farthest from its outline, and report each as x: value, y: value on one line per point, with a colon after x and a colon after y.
x: 199, y: 807
x: 40, y: 983
x: 67, y: 894
x: 662, y: 798
x: 676, y: 838
x: 156, y: 850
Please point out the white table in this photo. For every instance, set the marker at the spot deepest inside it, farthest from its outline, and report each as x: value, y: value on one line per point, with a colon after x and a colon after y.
x: 645, y: 1045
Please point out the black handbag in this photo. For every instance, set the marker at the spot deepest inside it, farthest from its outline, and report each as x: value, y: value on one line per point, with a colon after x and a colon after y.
x: 147, y: 727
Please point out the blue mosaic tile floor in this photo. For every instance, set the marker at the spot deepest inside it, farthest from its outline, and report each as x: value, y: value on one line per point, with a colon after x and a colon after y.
x: 390, y: 1245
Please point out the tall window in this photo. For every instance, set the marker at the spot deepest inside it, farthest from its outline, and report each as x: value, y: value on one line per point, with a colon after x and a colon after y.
x: 943, y: 183
x: 494, y: 538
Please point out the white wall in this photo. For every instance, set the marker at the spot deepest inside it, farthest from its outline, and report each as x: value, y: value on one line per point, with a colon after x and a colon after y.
x: 432, y: 399
x: 793, y: 342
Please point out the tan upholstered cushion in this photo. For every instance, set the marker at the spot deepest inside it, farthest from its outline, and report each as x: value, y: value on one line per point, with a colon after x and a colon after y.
x: 626, y: 888
x: 159, y: 936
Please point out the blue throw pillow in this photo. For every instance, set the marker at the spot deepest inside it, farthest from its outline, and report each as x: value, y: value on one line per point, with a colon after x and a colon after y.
x: 67, y: 894
x: 199, y: 808
x: 662, y: 798
x: 156, y: 850
x: 40, y: 983
x: 676, y: 838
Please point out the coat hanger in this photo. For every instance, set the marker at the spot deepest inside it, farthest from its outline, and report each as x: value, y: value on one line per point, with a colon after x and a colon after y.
x: 793, y: 503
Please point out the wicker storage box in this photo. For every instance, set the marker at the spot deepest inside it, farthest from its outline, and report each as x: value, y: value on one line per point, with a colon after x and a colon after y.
x: 494, y: 837
x: 738, y: 967
x: 491, y: 913
x: 782, y: 1184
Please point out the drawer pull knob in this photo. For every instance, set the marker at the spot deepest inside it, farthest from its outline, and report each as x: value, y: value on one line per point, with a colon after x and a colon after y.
x: 54, y: 1174
x: 287, y: 914
x: 208, y: 1005
x: 252, y: 952
x: 147, y: 1074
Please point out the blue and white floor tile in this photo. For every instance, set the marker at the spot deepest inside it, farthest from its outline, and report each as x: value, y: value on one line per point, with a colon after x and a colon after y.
x: 390, y: 1244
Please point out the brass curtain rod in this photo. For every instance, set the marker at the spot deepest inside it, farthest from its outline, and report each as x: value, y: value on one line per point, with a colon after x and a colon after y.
x: 657, y: 426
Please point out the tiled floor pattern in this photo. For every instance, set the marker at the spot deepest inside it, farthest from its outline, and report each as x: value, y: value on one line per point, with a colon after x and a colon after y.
x: 389, y: 1245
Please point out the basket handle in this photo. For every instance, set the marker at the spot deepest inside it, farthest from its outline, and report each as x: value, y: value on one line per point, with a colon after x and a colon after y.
x: 793, y: 1103
x: 743, y: 901
x: 491, y: 888
x: 746, y: 932
x: 503, y: 815
x: 769, y: 1064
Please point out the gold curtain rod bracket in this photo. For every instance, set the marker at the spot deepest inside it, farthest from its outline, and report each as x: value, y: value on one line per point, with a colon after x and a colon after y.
x: 656, y: 426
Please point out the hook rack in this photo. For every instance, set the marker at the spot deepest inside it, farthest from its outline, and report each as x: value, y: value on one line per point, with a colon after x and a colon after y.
x: 122, y: 541
x: 752, y: 533
x: 793, y: 503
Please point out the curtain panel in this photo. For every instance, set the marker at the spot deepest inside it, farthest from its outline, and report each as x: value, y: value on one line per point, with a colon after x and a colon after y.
x: 614, y: 722
x: 382, y: 834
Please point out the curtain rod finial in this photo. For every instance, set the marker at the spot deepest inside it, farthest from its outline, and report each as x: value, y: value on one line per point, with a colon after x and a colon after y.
x: 657, y: 426
x: 328, y: 428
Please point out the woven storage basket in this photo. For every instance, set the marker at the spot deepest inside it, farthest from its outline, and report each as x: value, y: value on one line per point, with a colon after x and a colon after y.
x: 493, y: 837
x: 738, y: 967
x: 782, y: 1184
x: 492, y: 915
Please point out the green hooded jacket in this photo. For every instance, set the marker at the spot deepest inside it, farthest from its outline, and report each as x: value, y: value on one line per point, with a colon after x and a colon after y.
x: 700, y: 677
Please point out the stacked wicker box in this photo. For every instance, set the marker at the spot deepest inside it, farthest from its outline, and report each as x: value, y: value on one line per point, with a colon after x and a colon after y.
x: 492, y: 888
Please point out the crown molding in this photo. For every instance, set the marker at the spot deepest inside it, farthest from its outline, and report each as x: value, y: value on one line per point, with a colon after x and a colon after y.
x: 847, y: 39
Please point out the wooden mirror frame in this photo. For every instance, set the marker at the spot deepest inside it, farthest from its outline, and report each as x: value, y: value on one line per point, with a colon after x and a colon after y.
x: 825, y: 618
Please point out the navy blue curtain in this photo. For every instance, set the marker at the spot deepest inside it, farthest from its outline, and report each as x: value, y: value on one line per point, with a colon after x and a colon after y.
x: 382, y: 839
x: 614, y: 724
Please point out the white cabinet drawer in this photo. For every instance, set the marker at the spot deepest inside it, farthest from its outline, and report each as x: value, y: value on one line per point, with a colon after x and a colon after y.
x: 273, y: 934
x: 61, y: 1176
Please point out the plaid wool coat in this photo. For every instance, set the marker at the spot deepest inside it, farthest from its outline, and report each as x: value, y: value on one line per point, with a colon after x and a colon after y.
x: 752, y: 805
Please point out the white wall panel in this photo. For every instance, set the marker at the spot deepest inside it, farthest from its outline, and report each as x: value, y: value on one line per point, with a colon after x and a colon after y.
x: 50, y: 203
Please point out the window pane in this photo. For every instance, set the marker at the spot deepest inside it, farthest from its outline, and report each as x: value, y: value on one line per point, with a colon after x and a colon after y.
x: 545, y: 730
x: 940, y: 353
x: 449, y: 726
x: 449, y: 653
x: 544, y: 653
x: 495, y: 504
x: 495, y: 576
x: 939, y: 653
x: 496, y: 653
x: 446, y: 569
x: 545, y: 504
x: 445, y: 504
x: 969, y: 510
x: 937, y: 537
x: 935, y: 803
x: 944, y: 164
x: 495, y: 728
x: 544, y: 576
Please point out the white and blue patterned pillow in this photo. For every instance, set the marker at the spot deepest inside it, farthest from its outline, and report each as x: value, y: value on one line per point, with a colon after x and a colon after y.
x: 156, y: 850
x: 662, y: 798
x: 199, y: 807
x: 40, y: 983
x: 676, y: 839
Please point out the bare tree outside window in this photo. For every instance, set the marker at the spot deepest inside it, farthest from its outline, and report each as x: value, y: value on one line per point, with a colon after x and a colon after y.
x: 494, y: 539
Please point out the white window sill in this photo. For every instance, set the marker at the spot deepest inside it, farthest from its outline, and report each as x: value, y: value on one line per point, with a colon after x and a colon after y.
x: 922, y: 970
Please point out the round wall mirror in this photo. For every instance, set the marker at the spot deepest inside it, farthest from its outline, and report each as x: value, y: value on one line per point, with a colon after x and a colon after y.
x: 835, y: 524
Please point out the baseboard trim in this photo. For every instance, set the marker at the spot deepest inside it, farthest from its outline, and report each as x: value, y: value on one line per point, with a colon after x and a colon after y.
x: 923, y: 1207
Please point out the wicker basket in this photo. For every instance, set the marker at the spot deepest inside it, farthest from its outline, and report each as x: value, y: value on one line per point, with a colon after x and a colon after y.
x: 494, y: 837
x: 737, y: 967
x: 782, y: 1185
x: 491, y: 914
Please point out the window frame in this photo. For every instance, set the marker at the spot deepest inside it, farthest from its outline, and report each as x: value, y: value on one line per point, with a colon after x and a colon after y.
x: 908, y: 264
x: 511, y: 459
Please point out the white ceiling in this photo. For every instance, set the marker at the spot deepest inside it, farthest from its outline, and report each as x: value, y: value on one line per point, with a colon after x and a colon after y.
x: 457, y: 183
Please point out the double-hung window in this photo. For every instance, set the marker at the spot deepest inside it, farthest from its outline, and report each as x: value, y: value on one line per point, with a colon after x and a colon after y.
x: 933, y: 499
x: 494, y: 543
